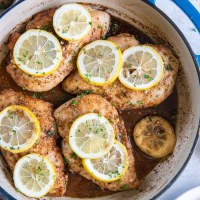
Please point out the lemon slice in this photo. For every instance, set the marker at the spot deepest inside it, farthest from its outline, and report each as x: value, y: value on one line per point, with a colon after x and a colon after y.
x: 100, y: 62
x: 91, y: 136
x: 110, y: 167
x: 19, y: 129
x: 37, y: 52
x: 72, y: 22
x: 142, y: 68
x: 154, y: 136
x: 34, y: 175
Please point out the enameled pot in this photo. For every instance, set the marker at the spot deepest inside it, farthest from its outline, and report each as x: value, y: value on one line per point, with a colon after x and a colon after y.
x: 161, y: 29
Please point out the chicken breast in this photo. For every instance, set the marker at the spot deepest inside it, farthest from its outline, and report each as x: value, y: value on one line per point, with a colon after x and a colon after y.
x: 65, y: 116
x: 122, y: 97
x: 46, y: 144
x: 43, y: 20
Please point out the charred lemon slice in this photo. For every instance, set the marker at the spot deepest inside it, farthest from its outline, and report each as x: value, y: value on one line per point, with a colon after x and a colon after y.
x: 142, y: 68
x: 34, y: 175
x: 72, y: 22
x: 154, y: 136
x: 100, y: 62
x: 91, y: 136
x: 110, y: 167
x: 19, y: 129
x: 37, y: 52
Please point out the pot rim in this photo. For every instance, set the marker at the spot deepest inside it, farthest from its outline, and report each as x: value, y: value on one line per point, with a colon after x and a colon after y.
x: 198, y: 74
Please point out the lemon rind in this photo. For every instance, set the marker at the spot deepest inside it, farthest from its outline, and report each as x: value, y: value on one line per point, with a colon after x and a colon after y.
x: 115, y: 76
x: 158, y: 79
x: 39, y: 74
x: 37, y: 129
x: 70, y: 39
x: 91, y: 173
x: 51, y: 166
x: 79, y: 153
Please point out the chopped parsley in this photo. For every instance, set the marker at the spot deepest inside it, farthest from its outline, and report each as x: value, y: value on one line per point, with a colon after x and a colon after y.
x: 20, y: 59
x: 14, y: 132
x: 148, y: 77
x: 149, y: 119
x: 74, y: 102
x: 124, y: 187
x: 113, y: 174
x: 11, y: 114
x: 64, y: 31
x: 17, y: 190
x: 73, y: 155
x: 66, y: 161
x: 88, y: 77
x: 85, y: 92
x: 12, y: 148
x: 104, y: 37
x: 90, y: 23
x: 130, y: 103
x: 53, y: 91
x: 113, y: 104
x: 99, y: 26
x: 37, y: 142
x: 36, y: 95
x: 99, y: 115
x: 25, y: 54
x: 50, y: 132
x: 47, y: 27
x: 140, y: 102
x: 168, y: 68
x: 39, y: 62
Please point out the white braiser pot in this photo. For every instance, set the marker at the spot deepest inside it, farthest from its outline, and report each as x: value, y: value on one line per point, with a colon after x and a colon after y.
x: 155, y: 24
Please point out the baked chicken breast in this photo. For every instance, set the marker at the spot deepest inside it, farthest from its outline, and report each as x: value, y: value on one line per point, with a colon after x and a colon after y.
x: 46, y: 144
x: 67, y: 113
x: 122, y: 97
x: 70, y: 50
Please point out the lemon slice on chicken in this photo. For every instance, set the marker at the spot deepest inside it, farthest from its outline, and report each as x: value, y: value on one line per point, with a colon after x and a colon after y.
x: 34, y: 175
x: 19, y: 129
x: 91, y: 136
x: 110, y: 167
x: 142, y: 68
x: 100, y: 62
x: 154, y: 136
x: 72, y: 22
x: 37, y: 52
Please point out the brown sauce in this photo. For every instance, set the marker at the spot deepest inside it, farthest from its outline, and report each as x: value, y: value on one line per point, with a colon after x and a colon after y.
x: 77, y: 185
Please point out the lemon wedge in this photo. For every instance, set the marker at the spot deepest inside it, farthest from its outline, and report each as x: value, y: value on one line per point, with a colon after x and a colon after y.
x: 91, y: 136
x: 142, y: 68
x: 72, y: 22
x: 34, y: 175
x: 154, y: 136
x: 19, y: 129
x: 110, y: 167
x: 100, y: 62
x: 37, y: 52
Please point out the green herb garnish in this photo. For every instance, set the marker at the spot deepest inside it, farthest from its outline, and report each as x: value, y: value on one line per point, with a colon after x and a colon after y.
x: 74, y: 102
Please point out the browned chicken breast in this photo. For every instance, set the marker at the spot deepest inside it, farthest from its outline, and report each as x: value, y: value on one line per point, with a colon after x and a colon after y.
x: 122, y: 97
x: 43, y: 20
x: 46, y: 144
x: 67, y: 113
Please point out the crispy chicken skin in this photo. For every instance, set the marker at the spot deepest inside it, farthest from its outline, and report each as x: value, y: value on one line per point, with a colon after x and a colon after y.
x: 46, y: 145
x: 122, y: 97
x: 65, y: 116
x: 70, y: 50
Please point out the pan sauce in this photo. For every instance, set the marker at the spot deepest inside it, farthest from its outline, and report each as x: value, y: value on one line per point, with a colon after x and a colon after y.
x: 77, y: 185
